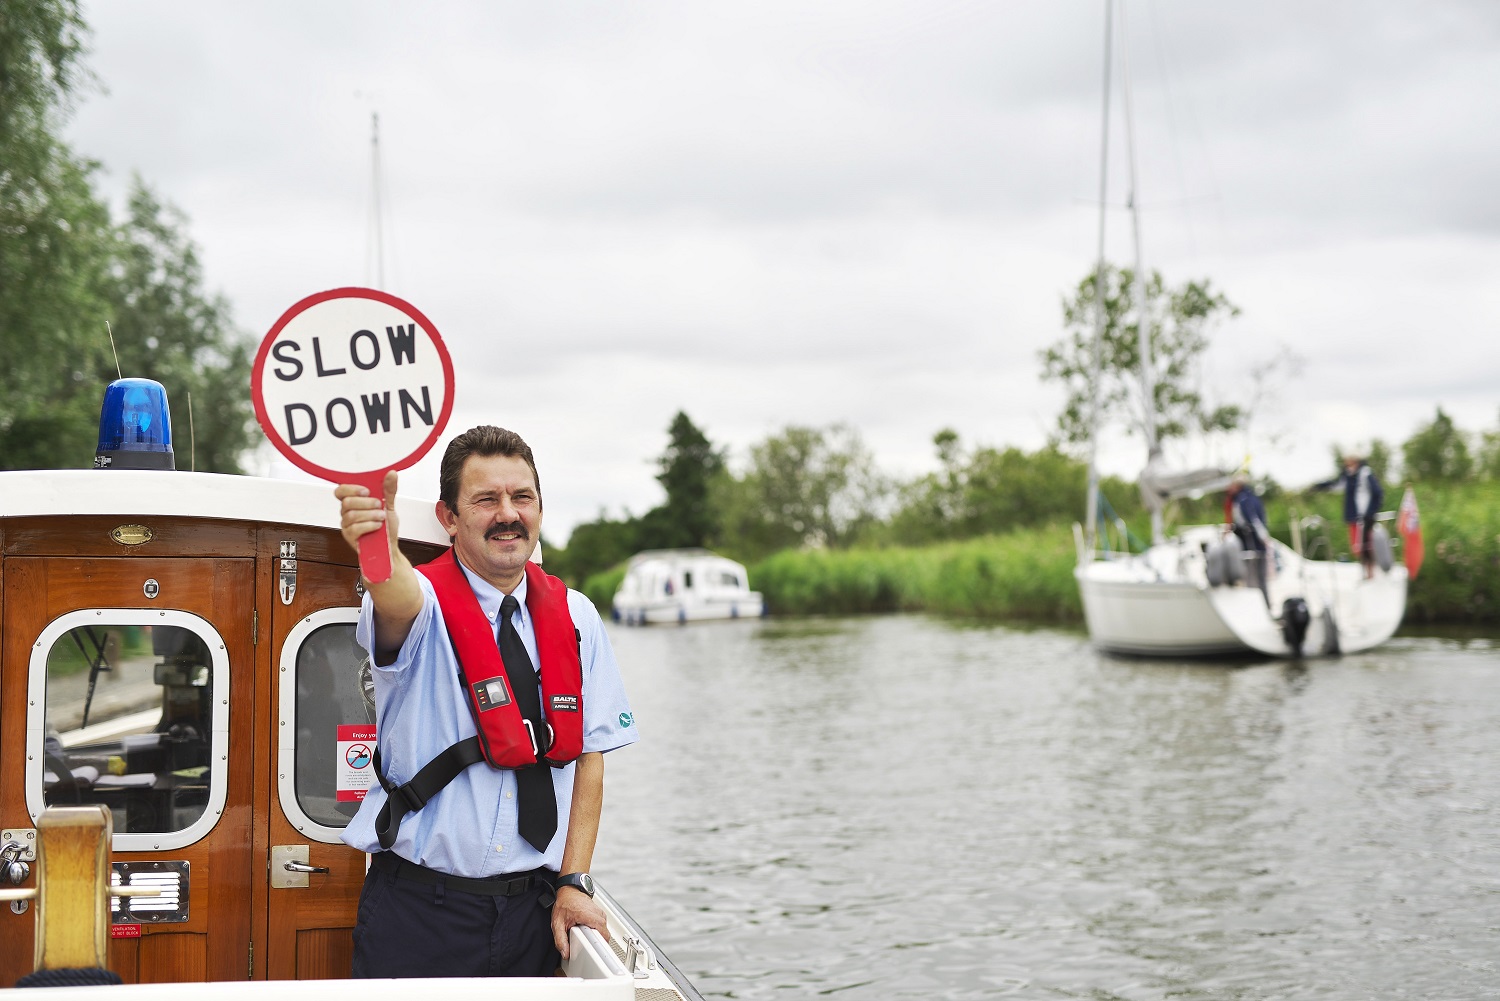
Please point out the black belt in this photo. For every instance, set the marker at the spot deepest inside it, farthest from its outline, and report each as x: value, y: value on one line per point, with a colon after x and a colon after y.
x: 499, y: 886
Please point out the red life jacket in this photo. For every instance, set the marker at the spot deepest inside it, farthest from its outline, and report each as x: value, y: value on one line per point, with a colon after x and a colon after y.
x: 504, y: 739
x: 503, y: 735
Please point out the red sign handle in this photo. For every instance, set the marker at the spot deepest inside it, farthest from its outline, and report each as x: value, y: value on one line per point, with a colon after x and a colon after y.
x: 375, y: 547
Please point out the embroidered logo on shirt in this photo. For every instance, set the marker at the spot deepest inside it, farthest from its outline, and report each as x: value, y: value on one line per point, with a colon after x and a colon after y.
x: 491, y: 693
x: 627, y: 718
x: 565, y: 703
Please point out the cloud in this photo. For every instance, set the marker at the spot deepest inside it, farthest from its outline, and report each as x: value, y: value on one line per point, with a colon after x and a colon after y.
x: 790, y: 213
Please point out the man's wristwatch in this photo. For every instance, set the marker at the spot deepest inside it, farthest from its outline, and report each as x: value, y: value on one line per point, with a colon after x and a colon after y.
x: 578, y: 881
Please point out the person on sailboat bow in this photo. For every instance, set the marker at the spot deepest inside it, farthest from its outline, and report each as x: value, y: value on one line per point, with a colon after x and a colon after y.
x: 483, y: 759
x: 1363, y: 496
x: 1248, y: 523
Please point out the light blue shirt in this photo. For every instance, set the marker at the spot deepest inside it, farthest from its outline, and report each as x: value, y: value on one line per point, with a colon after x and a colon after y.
x: 469, y: 829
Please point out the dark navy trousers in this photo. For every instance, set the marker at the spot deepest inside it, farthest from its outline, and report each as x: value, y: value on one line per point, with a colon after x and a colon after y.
x: 407, y: 928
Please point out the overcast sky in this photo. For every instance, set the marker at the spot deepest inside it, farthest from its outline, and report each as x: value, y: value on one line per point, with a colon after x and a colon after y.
x: 789, y: 213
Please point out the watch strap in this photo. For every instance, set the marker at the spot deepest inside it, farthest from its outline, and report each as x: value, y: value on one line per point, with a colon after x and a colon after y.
x: 578, y: 881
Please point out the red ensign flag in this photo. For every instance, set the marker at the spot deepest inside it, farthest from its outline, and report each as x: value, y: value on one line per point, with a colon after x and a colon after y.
x: 1410, y: 527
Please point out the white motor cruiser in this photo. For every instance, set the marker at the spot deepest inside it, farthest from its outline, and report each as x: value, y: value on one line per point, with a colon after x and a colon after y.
x: 684, y: 585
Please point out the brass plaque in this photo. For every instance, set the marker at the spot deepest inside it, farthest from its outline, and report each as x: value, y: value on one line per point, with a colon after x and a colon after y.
x: 132, y: 535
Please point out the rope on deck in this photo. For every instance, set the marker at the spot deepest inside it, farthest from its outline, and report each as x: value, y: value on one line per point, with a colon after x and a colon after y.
x: 76, y: 976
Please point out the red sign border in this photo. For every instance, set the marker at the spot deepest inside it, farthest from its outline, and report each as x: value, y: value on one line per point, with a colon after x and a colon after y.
x: 351, y: 292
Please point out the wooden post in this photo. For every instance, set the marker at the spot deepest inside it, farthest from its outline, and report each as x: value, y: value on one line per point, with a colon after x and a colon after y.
x: 72, y: 873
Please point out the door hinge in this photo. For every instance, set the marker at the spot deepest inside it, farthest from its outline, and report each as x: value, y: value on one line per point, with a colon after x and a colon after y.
x: 288, y: 574
x: 250, y: 963
x: 255, y: 627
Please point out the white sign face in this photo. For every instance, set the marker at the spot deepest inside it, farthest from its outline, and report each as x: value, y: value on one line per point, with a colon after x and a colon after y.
x: 352, y: 380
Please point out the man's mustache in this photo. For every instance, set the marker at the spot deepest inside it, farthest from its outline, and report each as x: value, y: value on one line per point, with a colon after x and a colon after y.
x: 514, y: 527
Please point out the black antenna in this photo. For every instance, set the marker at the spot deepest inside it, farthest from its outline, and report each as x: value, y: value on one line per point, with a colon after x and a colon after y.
x: 192, y: 437
x: 108, y: 328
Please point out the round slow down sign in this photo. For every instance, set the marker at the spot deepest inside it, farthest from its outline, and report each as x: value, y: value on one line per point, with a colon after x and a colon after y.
x: 350, y: 384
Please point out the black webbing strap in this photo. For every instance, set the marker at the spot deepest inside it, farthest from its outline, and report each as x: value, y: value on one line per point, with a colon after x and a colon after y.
x: 427, y: 783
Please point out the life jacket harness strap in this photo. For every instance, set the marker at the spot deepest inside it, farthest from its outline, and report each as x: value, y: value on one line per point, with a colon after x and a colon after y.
x: 427, y: 783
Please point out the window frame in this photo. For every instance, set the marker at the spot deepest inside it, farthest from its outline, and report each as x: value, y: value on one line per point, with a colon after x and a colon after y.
x: 286, y: 723
x: 36, y: 717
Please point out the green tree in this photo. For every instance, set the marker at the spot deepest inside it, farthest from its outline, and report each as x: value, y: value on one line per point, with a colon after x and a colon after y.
x: 169, y: 329
x: 988, y: 492
x: 55, y: 246
x: 805, y: 487
x: 1180, y: 321
x: 1379, y: 459
x: 66, y: 271
x: 593, y: 546
x: 1487, y: 456
x: 929, y: 508
x: 688, y: 467
x: 1437, y: 452
x: 1008, y: 489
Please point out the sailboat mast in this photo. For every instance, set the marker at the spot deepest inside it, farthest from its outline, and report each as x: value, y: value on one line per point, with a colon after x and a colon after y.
x: 1101, y: 290
x: 1142, y: 280
x: 375, y: 185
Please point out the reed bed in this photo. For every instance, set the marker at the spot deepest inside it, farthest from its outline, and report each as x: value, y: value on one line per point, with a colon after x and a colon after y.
x: 1028, y: 575
x: 1022, y: 575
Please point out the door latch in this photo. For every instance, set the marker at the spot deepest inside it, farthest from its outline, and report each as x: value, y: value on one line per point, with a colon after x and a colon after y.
x: 288, y: 574
x: 290, y: 868
x: 13, y: 869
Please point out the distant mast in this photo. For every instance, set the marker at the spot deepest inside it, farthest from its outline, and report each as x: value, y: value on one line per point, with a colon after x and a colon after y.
x: 1142, y: 306
x: 1101, y: 288
x: 1091, y: 517
x: 376, y: 209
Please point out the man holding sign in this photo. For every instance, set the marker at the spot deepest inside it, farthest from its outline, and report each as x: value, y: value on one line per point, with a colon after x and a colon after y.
x: 497, y: 694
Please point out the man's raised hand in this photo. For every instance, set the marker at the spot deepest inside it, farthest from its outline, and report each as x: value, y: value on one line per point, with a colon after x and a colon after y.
x: 362, y: 514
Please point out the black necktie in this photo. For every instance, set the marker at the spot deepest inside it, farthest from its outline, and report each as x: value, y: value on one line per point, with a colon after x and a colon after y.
x: 536, y: 801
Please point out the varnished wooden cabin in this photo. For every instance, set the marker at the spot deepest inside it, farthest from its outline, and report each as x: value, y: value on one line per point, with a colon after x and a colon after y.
x: 179, y: 647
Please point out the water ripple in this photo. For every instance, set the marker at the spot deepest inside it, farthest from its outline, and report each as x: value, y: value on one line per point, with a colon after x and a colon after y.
x: 901, y: 807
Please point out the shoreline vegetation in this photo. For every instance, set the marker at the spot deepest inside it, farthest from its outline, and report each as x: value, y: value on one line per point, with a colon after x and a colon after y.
x: 1026, y: 576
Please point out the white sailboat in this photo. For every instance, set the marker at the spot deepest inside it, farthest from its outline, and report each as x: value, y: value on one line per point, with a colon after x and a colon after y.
x: 1184, y: 595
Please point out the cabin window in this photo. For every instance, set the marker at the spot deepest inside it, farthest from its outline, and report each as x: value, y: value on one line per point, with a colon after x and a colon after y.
x: 327, y: 709
x: 129, y: 710
x: 729, y: 580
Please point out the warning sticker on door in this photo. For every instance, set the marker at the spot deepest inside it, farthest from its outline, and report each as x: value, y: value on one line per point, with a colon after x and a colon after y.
x: 355, y: 762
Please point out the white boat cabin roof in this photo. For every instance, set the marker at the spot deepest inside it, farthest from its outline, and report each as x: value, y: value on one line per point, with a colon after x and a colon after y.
x: 677, y: 557
x: 165, y: 493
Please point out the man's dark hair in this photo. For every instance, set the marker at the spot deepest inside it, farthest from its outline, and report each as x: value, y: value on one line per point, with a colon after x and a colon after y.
x: 484, y: 440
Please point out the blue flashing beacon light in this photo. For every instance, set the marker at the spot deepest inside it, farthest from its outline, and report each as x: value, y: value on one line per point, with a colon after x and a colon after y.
x: 135, y: 427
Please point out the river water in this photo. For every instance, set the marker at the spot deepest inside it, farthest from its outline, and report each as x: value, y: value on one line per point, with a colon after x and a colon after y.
x: 907, y: 807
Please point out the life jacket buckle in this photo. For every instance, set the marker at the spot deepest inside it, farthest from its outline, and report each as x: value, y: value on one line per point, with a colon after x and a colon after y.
x: 537, y: 750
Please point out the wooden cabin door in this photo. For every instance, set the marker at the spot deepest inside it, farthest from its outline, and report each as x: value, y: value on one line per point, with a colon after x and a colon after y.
x: 320, y: 727
x: 130, y: 682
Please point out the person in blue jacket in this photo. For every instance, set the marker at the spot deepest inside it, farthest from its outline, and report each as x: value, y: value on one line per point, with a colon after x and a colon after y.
x: 1362, y: 499
x: 1248, y: 522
